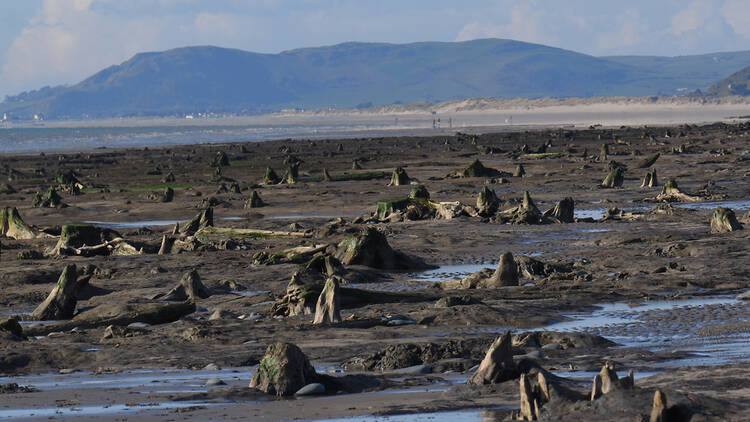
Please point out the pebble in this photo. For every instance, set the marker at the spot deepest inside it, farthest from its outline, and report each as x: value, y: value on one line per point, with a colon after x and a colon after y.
x: 311, y: 389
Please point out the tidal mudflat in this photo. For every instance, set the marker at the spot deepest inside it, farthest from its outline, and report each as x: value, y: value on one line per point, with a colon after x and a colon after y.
x: 453, y: 277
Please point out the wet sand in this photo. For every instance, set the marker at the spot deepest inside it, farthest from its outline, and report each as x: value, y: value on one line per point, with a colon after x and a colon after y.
x: 659, y: 256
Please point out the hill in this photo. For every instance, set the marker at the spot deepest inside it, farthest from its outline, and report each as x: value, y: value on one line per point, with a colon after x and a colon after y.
x: 213, y: 79
x: 736, y: 84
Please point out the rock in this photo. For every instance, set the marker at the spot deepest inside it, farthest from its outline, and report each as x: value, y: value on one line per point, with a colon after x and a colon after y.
x: 487, y: 202
x: 497, y: 365
x: 328, y: 308
x: 12, y: 225
x: 551, y: 346
x: 61, y: 301
x: 563, y: 211
x: 370, y: 248
x: 202, y: 220
x: 190, y: 288
x: 723, y: 220
x: 399, y: 177
x: 213, y: 382
x: 283, y: 371
x: 506, y: 273
x: 419, y: 191
x: 270, y: 177
x: 650, y: 180
x: 659, y: 408
x: 254, y: 201
x: 211, y: 367
x: 648, y: 161
x: 311, y: 389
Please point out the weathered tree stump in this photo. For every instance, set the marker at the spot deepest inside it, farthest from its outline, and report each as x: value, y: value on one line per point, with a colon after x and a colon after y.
x: 61, y: 301
x: 497, y: 365
x: 328, y: 308
x: 506, y: 273
x: 189, y: 287
x: 399, y: 177
x: 723, y: 220
x: 283, y: 370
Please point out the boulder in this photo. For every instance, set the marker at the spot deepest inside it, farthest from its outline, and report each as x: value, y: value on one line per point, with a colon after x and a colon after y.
x: 563, y: 211
x: 328, y: 308
x: 13, y: 226
x: 283, y: 371
x: 723, y: 220
x: 399, y: 177
x: 189, y: 287
x: 61, y: 301
x: 370, y: 248
x: 498, y: 365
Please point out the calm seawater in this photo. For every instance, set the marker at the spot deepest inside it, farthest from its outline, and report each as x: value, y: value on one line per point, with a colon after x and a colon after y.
x: 38, y: 139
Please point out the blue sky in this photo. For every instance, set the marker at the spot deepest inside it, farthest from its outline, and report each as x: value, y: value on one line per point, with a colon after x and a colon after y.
x: 50, y: 42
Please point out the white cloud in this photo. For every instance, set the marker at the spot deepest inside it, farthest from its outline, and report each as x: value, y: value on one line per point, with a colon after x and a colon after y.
x: 698, y: 15
x: 216, y: 23
x: 737, y: 15
x: 526, y: 23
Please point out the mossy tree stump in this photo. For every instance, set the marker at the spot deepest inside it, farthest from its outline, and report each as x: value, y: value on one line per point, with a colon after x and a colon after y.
x: 283, y: 370
x: 724, y: 220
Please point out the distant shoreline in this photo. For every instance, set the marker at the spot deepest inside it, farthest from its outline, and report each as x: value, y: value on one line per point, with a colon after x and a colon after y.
x: 459, y: 108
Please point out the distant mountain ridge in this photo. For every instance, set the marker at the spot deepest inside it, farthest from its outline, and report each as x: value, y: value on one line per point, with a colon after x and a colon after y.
x: 349, y: 75
x: 735, y: 84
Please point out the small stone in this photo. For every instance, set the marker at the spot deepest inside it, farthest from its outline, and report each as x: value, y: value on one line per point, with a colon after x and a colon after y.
x: 66, y: 371
x: 214, y: 382
x: 138, y: 325
x: 311, y: 389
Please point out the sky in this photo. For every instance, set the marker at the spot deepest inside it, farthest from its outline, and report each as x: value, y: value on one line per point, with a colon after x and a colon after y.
x: 53, y: 42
